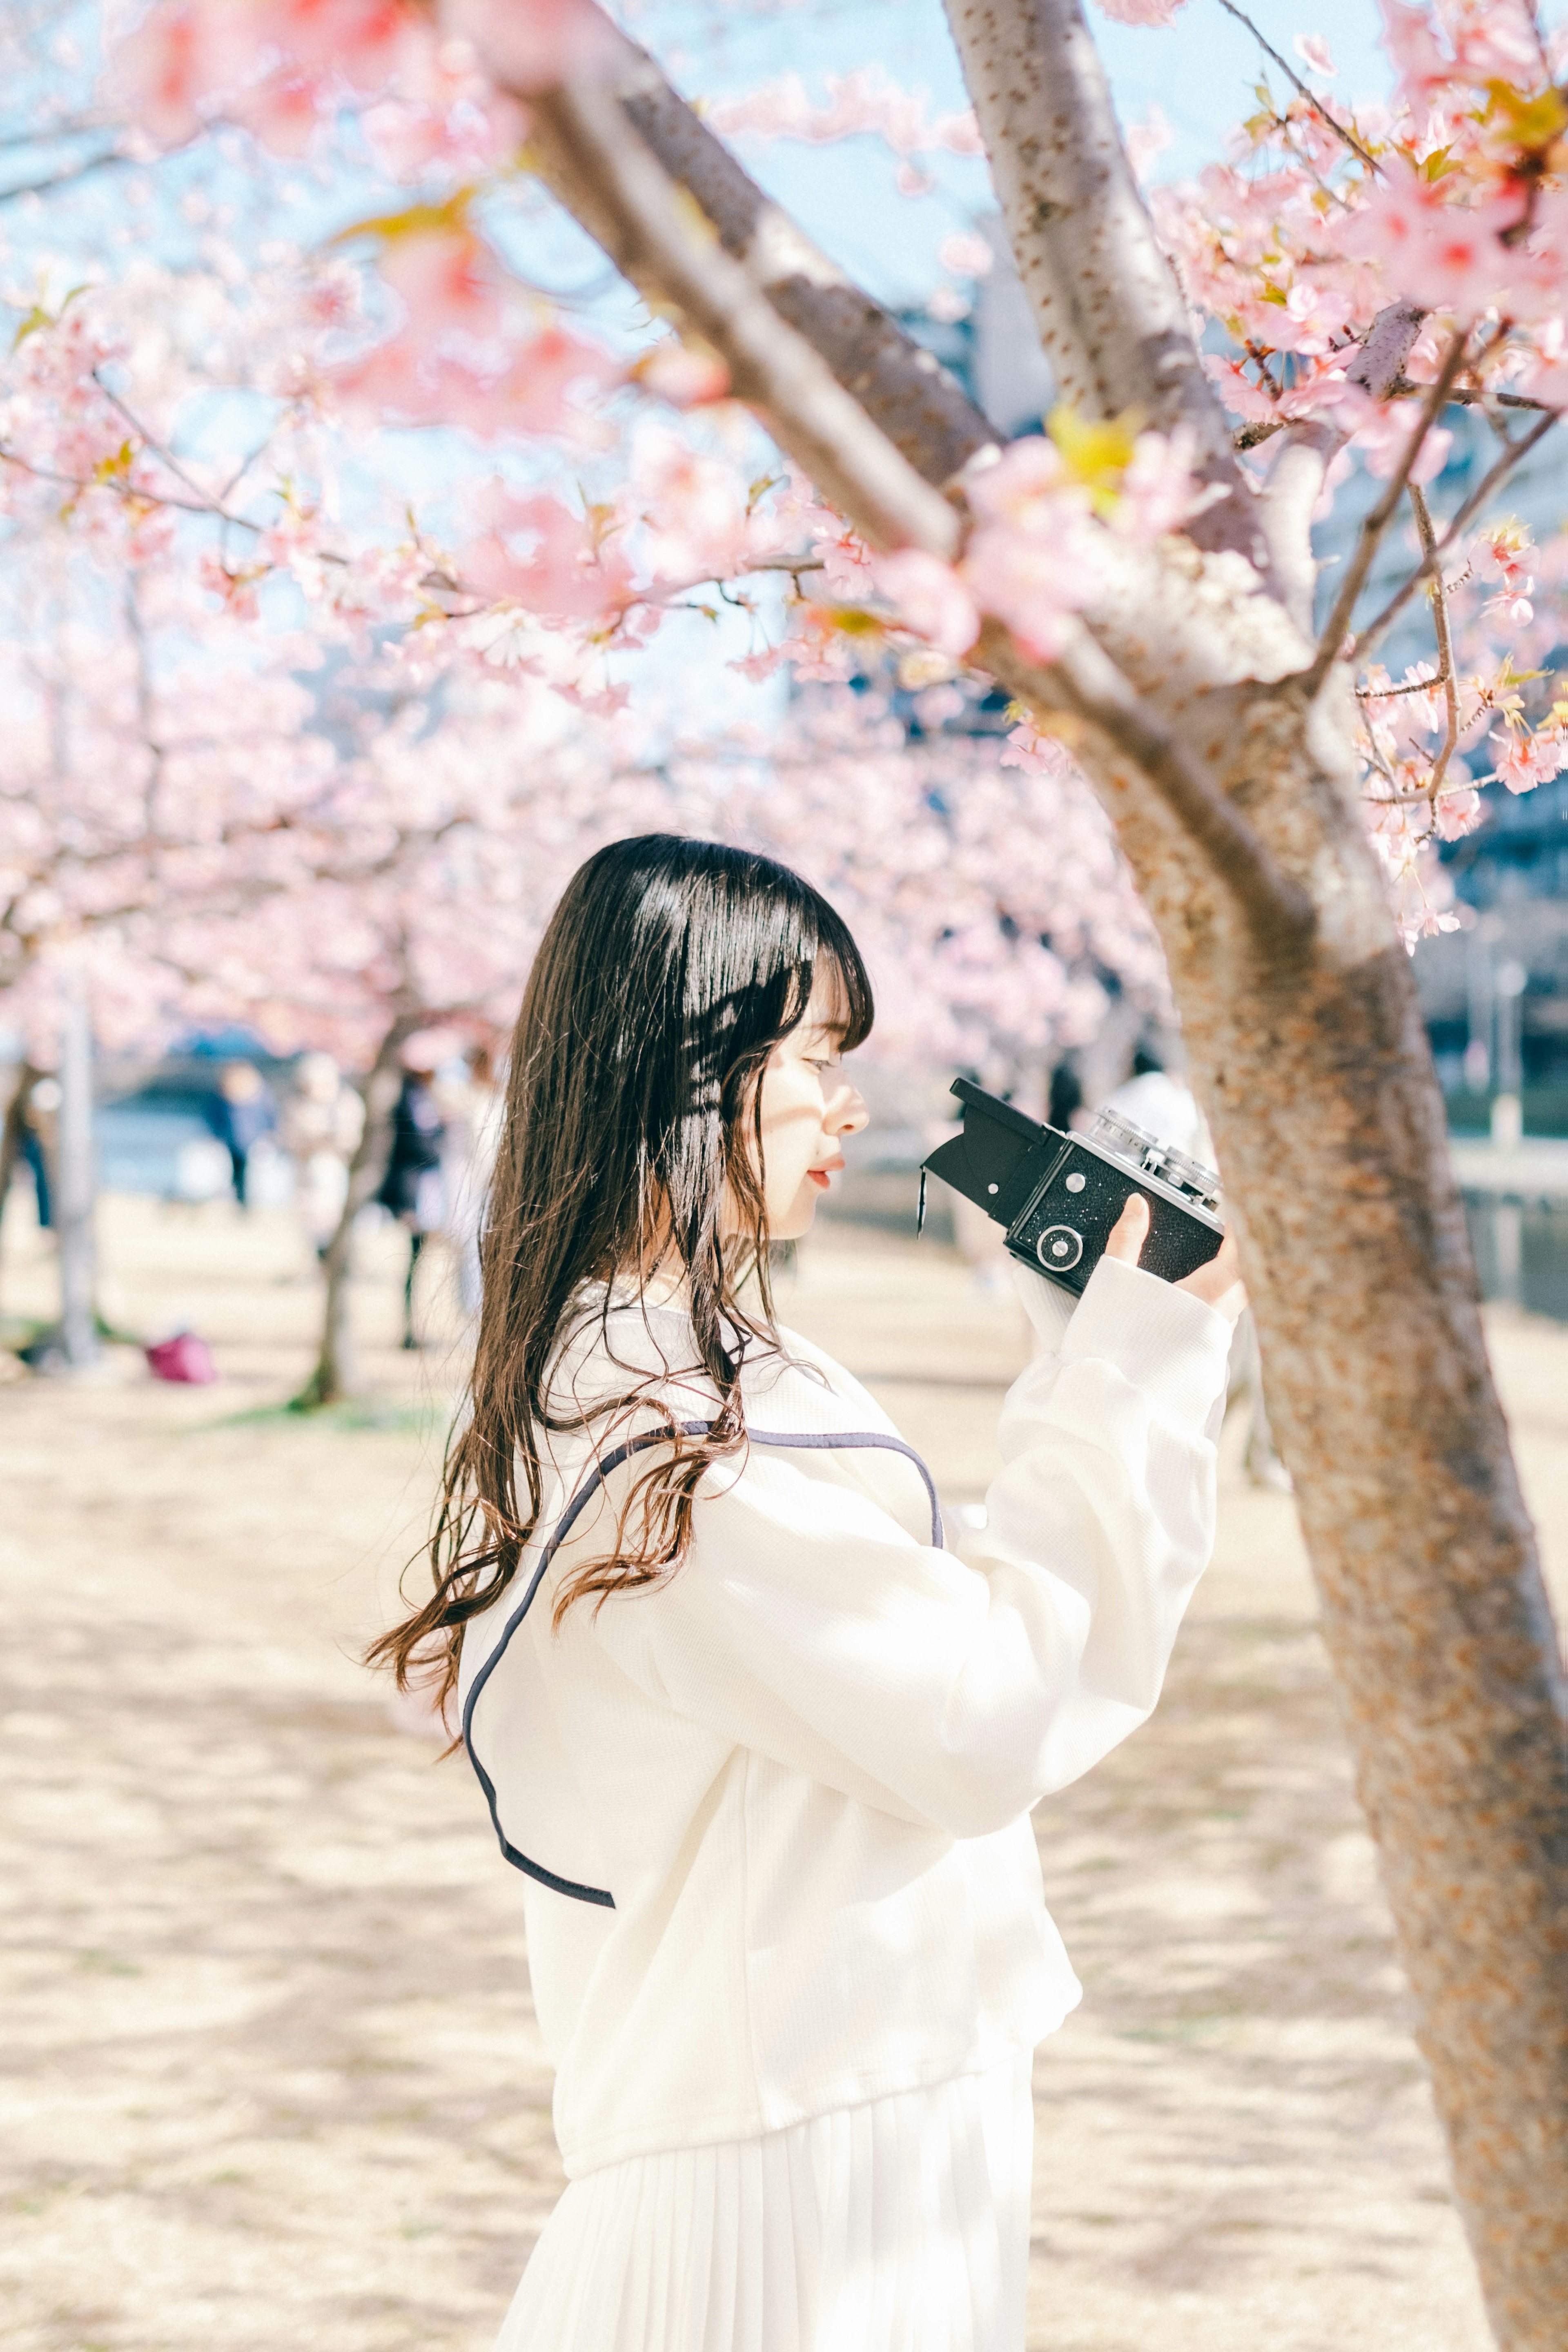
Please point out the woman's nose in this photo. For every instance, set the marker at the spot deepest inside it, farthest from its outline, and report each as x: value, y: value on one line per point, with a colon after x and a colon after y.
x: 847, y: 1113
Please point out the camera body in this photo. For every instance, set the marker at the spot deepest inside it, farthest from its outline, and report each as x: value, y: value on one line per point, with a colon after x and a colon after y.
x: 1059, y: 1196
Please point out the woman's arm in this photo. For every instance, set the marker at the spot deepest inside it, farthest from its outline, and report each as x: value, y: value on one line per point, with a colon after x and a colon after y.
x: 807, y: 1624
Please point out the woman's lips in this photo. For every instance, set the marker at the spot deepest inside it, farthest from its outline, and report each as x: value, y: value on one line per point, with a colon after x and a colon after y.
x: 818, y: 1176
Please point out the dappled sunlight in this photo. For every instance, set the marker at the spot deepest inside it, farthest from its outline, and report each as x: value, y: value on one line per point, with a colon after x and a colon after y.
x: 274, y: 2074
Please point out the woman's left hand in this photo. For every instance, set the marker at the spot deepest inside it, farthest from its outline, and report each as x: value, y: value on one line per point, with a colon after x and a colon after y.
x: 1218, y: 1284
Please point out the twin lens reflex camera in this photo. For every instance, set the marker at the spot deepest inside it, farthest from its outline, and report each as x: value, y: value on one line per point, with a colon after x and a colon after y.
x: 1059, y: 1195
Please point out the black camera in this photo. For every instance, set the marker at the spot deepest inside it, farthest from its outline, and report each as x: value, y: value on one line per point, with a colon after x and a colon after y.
x: 1059, y: 1196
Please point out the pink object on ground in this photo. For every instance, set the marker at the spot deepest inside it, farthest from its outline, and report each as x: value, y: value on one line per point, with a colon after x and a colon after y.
x: 182, y: 1358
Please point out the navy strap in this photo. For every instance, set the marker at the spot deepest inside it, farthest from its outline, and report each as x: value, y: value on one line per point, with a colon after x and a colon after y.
x: 824, y: 1440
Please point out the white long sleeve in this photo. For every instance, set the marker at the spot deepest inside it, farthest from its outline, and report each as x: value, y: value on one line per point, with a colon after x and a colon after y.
x: 807, y: 1625
x: 797, y: 1771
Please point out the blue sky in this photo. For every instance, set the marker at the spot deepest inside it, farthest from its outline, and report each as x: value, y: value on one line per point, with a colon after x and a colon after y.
x: 1200, y: 71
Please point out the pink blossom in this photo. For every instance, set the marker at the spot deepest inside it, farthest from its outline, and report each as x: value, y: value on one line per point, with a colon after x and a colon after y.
x: 1500, y: 551
x: 533, y: 44
x: 1513, y: 609
x: 1028, y: 581
x: 860, y: 104
x: 446, y: 281
x: 1147, y: 140
x: 1457, y: 812
x: 1408, y: 36
x: 761, y: 665
x: 362, y: 40
x: 930, y: 598
x: 536, y: 392
x: 1442, y: 254
x: 281, y: 111
x: 1524, y: 761
x: 541, y: 556
x: 1314, y: 53
x: 1240, y: 394
x: 1544, y: 373
x: 692, y: 509
x: 964, y: 253
x: 1140, y: 12
x: 1033, y: 561
x: 1381, y: 439
x: 1316, y: 313
x: 164, y: 69
x: 1158, y: 491
x: 687, y: 379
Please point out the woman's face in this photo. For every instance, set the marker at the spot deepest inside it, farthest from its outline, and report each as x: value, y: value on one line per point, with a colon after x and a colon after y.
x: 808, y: 1106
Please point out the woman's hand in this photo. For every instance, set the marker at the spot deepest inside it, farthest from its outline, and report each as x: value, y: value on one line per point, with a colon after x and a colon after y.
x: 1218, y: 1284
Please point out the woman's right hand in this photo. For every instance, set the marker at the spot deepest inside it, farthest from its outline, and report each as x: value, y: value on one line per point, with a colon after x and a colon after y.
x: 1218, y: 1284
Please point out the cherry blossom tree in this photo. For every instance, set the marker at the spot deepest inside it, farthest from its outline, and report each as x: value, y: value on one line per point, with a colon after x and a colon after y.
x: 980, y: 876
x: 424, y: 872
x: 155, y: 770
x: 1141, y: 580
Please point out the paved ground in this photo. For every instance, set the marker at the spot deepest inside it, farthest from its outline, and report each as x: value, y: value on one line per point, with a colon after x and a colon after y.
x: 271, y: 2074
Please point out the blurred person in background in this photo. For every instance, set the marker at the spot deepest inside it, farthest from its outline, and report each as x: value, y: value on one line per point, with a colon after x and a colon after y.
x: 1162, y: 1104
x: 413, y: 1189
x: 26, y: 1139
x: 321, y: 1123
x: 39, y: 1122
x: 472, y: 1104
x: 241, y: 1113
x: 1064, y: 1109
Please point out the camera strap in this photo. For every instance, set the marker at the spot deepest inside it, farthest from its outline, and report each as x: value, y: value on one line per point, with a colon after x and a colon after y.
x: 831, y: 1441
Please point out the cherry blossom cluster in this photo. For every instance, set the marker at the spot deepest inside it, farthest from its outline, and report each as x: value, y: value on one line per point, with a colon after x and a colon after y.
x: 1449, y: 199
x: 558, y: 582
x: 1453, y: 198
x: 990, y: 898
x: 866, y: 102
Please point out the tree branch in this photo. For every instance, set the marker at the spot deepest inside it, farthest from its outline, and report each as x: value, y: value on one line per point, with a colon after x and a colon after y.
x: 1085, y: 682
x: 165, y: 456
x: 1378, y: 518
x: 1110, y: 315
x: 649, y: 235
x: 1299, y: 471
x: 1294, y: 78
x: 63, y: 177
x: 1444, y: 641
x: 1378, y: 367
x: 902, y: 387
x: 1514, y: 455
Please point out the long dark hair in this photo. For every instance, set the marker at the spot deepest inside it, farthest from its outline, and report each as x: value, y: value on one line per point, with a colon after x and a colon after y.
x: 670, y: 971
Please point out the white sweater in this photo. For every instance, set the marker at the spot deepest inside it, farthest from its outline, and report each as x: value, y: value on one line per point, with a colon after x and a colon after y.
x: 788, y: 1787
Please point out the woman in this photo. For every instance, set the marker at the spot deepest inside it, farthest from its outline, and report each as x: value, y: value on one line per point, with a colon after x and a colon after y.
x: 761, y: 1749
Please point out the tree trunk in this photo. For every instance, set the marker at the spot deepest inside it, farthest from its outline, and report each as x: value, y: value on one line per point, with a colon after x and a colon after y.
x: 77, y: 1186
x: 1331, y: 1130
x: 335, y: 1375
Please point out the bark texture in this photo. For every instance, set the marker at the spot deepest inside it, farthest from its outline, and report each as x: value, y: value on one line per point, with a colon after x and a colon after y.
x: 1225, y: 761
x: 1109, y: 313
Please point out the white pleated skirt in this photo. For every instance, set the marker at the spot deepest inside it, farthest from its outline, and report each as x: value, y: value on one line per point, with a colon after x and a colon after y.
x: 901, y: 2226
